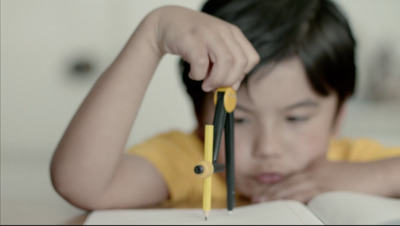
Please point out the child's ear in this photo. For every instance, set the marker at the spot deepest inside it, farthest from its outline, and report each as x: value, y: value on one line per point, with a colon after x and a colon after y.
x: 339, y: 119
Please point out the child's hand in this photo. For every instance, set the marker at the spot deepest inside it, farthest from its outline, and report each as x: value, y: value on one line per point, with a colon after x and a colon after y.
x: 217, y: 51
x: 323, y: 176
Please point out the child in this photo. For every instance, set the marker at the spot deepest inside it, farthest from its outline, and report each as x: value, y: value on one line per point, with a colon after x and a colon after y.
x: 292, y: 64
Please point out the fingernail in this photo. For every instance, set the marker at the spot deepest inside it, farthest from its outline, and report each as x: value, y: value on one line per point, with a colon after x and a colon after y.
x: 207, y: 88
x: 259, y: 199
x: 236, y: 86
x: 254, y: 199
x: 263, y: 199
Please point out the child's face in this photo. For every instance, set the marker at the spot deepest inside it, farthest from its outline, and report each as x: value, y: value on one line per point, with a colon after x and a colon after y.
x: 281, y: 125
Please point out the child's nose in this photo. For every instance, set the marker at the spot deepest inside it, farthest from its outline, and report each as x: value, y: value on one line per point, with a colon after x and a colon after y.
x: 267, y: 144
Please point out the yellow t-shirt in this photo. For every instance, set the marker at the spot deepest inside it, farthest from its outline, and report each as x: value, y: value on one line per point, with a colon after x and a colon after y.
x: 175, y: 154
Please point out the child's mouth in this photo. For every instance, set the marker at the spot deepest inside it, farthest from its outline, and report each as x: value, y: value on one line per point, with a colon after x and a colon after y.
x: 268, y: 178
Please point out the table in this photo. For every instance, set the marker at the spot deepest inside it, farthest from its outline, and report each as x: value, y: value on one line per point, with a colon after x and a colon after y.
x: 27, y: 195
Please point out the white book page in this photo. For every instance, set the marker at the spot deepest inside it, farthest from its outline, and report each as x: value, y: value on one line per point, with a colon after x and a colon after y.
x: 355, y: 208
x: 277, y: 212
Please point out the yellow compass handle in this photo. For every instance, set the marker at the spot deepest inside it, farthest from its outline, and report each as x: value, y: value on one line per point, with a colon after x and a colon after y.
x: 230, y: 98
x: 207, y: 183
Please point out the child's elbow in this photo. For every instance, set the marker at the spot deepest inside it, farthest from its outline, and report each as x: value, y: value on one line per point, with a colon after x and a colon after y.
x: 73, y: 196
x: 75, y: 200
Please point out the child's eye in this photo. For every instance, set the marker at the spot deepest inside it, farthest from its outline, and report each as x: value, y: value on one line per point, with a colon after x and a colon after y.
x: 241, y: 120
x: 296, y: 119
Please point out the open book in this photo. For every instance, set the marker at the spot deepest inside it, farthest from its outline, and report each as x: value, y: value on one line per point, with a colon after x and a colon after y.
x: 327, y: 208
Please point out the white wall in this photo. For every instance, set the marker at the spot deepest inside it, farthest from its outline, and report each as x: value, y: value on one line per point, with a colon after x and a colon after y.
x: 377, y: 30
x: 41, y: 38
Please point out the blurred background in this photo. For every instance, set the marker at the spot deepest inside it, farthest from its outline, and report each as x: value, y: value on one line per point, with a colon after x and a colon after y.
x: 53, y: 51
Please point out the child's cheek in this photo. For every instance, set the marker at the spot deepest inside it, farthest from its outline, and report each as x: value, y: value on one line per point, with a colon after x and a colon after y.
x: 242, y: 150
x: 316, y: 146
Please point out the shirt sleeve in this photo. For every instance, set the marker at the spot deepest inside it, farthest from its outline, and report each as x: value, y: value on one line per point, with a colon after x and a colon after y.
x: 174, y: 154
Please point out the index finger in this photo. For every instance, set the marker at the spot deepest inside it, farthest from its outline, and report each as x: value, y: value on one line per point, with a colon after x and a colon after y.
x: 252, y: 55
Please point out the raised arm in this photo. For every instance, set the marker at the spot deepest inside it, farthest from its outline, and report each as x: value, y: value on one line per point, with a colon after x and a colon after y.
x: 90, y: 154
x: 89, y: 167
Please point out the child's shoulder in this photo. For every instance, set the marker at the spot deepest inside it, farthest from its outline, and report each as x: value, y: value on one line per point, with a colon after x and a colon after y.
x: 359, y: 150
x: 168, y: 142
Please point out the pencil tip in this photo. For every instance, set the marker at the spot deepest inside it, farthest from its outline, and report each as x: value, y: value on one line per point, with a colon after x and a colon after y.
x: 205, y: 218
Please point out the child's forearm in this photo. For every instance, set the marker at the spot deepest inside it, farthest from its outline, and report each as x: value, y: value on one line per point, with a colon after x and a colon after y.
x: 388, y: 172
x: 92, y: 146
x: 377, y: 177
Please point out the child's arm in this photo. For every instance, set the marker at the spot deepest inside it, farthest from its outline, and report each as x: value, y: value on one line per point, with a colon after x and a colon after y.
x: 377, y: 178
x: 89, y: 168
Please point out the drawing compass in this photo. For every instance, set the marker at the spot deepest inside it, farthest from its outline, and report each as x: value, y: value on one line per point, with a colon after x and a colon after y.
x: 225, y: 102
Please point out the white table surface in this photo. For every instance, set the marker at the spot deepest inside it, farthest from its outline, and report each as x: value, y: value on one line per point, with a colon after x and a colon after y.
x: 27, y: 196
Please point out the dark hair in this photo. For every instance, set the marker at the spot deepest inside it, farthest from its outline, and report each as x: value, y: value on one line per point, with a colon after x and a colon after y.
x: 314, y: 30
